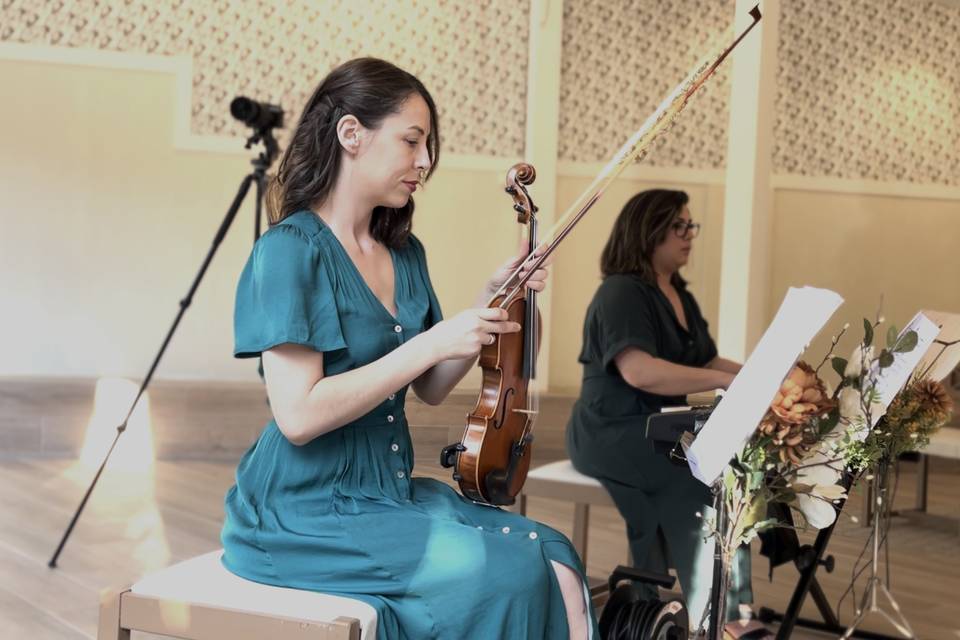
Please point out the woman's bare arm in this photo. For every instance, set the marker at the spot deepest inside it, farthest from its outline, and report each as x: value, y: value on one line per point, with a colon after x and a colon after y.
x: 641, y: 370
x: 307, y: 404
x: 722, y: 364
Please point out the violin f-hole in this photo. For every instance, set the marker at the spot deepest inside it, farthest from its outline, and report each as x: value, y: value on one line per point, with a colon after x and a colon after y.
x: 504, y: 407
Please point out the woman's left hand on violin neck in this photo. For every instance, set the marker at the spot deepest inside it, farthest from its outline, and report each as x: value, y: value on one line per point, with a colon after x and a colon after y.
x: 537, y: 282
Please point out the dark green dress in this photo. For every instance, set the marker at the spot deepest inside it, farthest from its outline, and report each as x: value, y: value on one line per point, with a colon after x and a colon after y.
x: 606, y: 432
x: 342, y: 514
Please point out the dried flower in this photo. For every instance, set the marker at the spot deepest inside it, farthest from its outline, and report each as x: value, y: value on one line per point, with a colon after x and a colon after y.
x: 789, y: 422
x: 922, y: 407
x: 932, y: 395
x: 801, y: 396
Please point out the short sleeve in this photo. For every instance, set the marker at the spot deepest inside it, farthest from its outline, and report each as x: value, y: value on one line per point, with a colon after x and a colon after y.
x: 625, y: 318
x: 434, y: 314
x: 285, y: 295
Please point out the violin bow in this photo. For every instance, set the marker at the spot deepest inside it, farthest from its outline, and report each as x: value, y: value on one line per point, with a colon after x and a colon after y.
x: 633, y: 150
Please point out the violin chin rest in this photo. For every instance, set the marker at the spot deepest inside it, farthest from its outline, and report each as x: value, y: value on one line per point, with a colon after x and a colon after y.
x: 497, y: 488
x: 448, y: 455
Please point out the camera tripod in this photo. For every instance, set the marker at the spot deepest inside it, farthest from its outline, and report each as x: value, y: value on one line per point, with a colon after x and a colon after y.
x: 263, y: 132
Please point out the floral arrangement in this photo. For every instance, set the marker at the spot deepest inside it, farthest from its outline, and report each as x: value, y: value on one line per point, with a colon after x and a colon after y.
x: 914, y: 415
x: 812, y: 440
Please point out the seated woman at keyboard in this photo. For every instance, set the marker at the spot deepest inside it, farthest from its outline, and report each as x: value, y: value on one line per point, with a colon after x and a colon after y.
x: 645, y: 347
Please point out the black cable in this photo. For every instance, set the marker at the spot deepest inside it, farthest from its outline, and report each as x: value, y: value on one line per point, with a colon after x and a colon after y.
x: 637, y: 619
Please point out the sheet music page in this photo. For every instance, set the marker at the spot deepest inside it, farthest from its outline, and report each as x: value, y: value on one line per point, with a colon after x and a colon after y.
x: 891, y: 379
x: 947, y: 361
x: 802, y: 314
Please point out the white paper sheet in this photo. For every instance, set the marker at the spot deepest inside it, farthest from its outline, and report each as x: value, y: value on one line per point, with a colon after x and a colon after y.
x: 891, y: 379
x: 949, y: 324
x: 802, y: 314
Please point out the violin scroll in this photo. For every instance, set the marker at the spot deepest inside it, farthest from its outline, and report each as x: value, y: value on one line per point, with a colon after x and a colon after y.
x: 518, y: 177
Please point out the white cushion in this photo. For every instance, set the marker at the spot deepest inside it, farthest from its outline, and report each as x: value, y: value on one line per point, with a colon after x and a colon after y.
x: 563, y: 471
x: 204, y: 580
x: 559, y: 480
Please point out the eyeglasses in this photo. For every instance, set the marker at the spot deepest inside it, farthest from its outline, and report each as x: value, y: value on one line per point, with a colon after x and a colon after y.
x: 685, y: 229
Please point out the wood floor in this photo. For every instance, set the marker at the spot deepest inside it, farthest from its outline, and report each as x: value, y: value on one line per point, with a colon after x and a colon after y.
x: 142, y: 520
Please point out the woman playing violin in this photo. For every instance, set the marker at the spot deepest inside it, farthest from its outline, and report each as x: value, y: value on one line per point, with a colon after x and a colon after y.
x: 337, y: 301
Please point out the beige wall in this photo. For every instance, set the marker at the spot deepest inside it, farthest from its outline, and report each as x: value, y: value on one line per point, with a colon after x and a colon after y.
x: 861, y: 246
x: 864, y: 247
x: 105, y: 225
x: 105, y: 222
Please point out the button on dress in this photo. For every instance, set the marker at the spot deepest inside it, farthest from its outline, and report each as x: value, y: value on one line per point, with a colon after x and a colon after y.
x: 342, y: 514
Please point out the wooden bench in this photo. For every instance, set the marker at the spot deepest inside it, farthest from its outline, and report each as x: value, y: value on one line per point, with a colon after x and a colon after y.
x: 198, y: 599
x: 945, y: 443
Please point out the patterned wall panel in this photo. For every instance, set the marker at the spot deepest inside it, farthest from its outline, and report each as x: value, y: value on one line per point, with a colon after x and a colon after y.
x: 869, y: 89
x: 471, y: 55
x: 620, y: 59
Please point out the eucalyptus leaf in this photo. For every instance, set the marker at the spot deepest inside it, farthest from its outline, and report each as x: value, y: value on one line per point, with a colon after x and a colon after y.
x: 839, y: 365
x: 867, y: 333
x: 886, y: 359
x: 756, y: 509
x: 786, y: 496
x: 891, y: 336
x: 907, y: 343
x: 765, y: 524
x: 827, y: 424
x: 729, y: 481
x: 749, y: 533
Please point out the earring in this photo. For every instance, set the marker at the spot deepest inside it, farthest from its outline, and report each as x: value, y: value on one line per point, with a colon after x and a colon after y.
x: 422, y: 176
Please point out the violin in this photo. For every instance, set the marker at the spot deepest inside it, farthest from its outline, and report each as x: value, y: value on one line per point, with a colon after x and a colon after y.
x: 492, y: 459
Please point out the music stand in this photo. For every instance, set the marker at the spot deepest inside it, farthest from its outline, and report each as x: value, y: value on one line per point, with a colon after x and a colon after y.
x: 809, y: 558
x: 802, y: 314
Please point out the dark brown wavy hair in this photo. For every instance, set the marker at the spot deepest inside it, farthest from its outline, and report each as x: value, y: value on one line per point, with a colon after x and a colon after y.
x: 370, y: 89
x: 642, y: 225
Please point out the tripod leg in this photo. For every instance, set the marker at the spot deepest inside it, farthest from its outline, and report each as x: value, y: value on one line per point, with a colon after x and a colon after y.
x: 260, y: 179
x: 184, y: 305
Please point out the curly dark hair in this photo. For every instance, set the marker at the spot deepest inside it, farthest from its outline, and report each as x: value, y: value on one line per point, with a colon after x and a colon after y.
x: 370, y: 89
x: 642, y: 225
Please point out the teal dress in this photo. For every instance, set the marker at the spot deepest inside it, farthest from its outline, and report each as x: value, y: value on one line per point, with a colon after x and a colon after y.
x: 343, y: 514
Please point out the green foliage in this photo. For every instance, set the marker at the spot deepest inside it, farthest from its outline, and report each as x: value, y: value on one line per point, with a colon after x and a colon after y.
x: 839, y: 365
x: 760, y: 475
x: 909, y: 422
x: 891, y: 336
x: 907, y: 343
x: 885, y: 359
